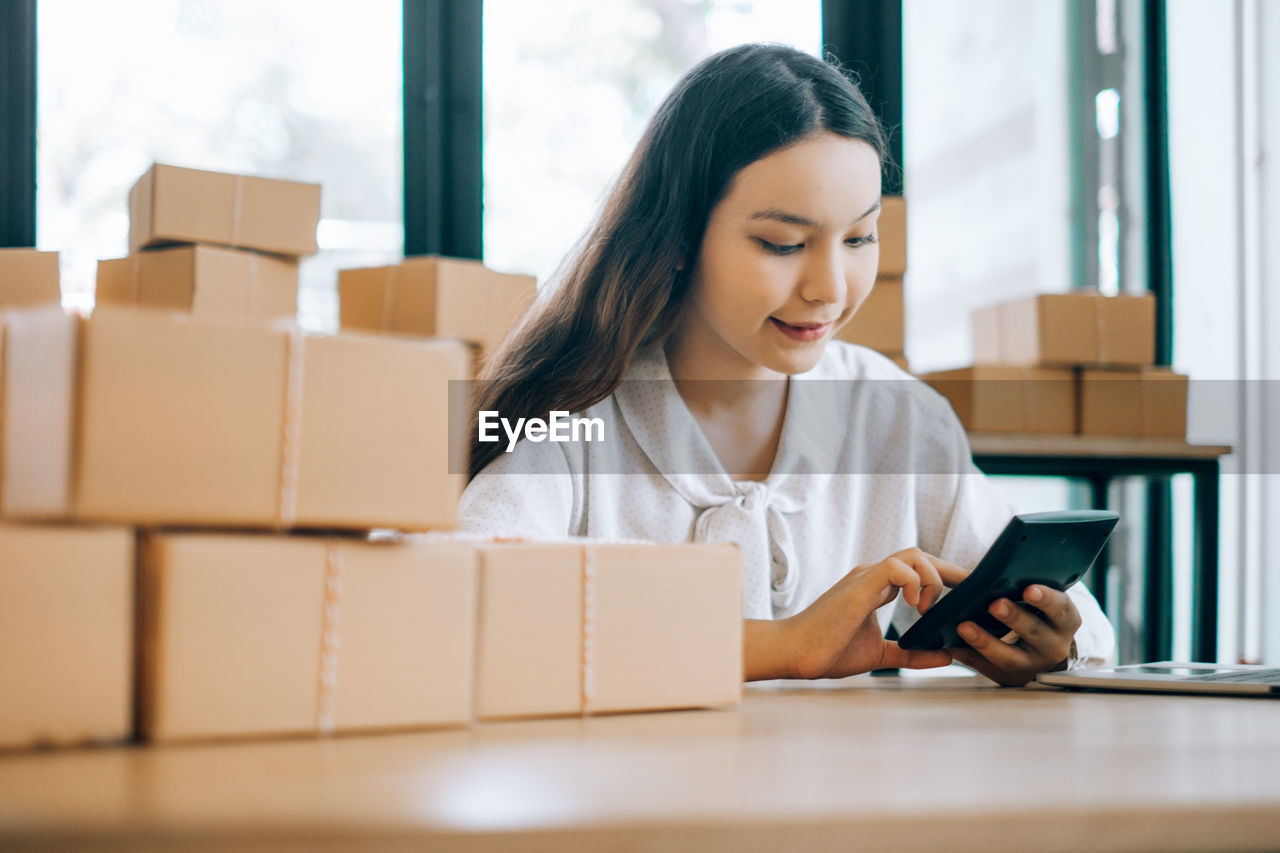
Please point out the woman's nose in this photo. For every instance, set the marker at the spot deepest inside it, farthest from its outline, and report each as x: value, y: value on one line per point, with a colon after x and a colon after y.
x: 824, y: 278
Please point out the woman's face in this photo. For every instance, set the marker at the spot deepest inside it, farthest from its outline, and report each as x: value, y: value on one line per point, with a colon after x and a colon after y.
x: 788, y: 256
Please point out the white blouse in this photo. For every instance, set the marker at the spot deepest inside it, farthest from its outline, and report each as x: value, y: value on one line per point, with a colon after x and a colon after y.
x: 863, y: 469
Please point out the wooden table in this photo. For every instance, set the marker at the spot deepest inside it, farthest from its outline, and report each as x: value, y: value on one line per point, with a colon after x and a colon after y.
x: 1099, y: 460
x: 874, y: 763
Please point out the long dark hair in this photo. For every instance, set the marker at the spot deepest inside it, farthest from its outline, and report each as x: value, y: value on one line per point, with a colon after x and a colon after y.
x: 627, y: 279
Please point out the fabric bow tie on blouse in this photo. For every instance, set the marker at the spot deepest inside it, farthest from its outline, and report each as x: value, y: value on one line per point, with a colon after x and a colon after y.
x: 750, y: 514
x: 757, y: 526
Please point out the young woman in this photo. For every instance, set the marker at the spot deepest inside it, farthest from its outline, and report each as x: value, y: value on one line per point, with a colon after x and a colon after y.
x: 695, y: 321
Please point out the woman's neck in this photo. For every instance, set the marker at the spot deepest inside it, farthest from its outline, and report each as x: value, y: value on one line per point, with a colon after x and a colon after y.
x: 739, y: 406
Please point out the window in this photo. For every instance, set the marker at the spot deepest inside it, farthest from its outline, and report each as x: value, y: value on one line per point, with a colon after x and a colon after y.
x: 569, y: 87
x: 272, y: 87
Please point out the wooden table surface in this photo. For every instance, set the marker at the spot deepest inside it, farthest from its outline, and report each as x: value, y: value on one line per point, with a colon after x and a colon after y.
x: 902, y: 763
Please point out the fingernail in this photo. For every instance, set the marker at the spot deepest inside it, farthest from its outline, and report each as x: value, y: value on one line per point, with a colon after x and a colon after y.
x: 1034, y: 593
x: 967, y: 631
x: 1000, y: 608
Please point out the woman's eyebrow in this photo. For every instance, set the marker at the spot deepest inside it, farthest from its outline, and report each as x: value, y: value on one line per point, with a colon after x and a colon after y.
x: 796, y: 219
x: 783, y: 216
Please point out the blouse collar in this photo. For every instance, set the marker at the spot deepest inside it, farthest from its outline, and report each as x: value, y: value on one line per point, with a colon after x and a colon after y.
x: 669, y: 435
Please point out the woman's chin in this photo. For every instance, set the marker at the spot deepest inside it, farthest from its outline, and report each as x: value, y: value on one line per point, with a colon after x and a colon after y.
x: 798, y: 359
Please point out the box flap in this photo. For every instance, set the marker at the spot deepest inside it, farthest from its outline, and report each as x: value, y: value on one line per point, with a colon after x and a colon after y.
x: 463, y: 301
x: 665, y: 623
x: 183, y: 419
x: 66, y: 625
x: 362, y: 295
x: 375, y: 437
x: 277, y: 216
x: 878, y: 323
x: 410, y: 298
x: 29, y: 277
x: 141, y: 204
x: 233, y: 635
x: 529, y: 647
x: 406, y: 632
x: 892, y: 232
x: 40, y: 401
x: 191, y: 206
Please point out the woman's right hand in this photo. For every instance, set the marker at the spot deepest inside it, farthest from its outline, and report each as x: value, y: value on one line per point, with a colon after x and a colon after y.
x: 839, y: 634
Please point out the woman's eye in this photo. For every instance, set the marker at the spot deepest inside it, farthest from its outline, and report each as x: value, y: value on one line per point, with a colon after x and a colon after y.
x: 864, y: 240
x: 778, y: 248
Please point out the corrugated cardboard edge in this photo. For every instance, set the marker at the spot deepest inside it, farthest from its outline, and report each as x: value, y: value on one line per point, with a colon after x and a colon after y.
x: 43, y: 354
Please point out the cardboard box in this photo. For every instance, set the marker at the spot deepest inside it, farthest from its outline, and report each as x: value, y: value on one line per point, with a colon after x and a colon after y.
x: 206, y: 281
x: 879, y: 321
x: 66, y: 632
x: 1067, y: 329
x: 2, y: 407
x: 147, y: 417
x: 252, y: 635
x: 569, y: 629
x: 29, y: 277
x: 170, y: 204
x: 1151, y: 403
x: 892, y: 233
x: 435, y: 297
x: 995, y: 398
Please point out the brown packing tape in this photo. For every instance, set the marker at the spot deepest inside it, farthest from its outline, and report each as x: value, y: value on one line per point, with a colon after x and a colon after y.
x: 237, y: 203
x: 390, y: 295
x: 251, y: 292
x: 330, y: 639
x: 1101, y: 330
x: 291, y: 441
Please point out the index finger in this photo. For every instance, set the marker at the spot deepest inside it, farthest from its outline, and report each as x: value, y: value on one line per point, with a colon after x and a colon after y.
x: 950, y: 573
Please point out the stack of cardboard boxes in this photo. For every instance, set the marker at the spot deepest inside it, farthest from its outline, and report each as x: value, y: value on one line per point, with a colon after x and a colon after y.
x: 1061, y: 363
x: 879, y: 322
x: 188, y: 498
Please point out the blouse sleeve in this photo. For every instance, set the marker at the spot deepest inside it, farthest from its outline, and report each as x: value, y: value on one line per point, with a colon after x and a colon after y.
x: 527, y: 492
x: 961, y: 514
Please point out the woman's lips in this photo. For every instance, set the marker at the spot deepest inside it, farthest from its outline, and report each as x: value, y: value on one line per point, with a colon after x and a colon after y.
x: 801, y: 331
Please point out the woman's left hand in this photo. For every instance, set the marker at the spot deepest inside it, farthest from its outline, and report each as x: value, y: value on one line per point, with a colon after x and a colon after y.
x: 1038, y: 643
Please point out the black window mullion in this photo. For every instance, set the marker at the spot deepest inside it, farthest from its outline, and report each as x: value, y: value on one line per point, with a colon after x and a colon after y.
x: 1159, y: 198
x: 866, y: 37
x: 443, y: 128
x: 18, y: 128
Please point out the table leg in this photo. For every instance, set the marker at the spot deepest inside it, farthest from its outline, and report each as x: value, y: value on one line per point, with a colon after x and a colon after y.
x: 1099, y: 495
x: 1158, y: 578
x: 1204, y: 577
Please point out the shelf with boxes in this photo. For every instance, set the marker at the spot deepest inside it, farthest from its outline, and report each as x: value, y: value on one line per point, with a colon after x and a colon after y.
x: 190, y: 490
x: 1067, y: 363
